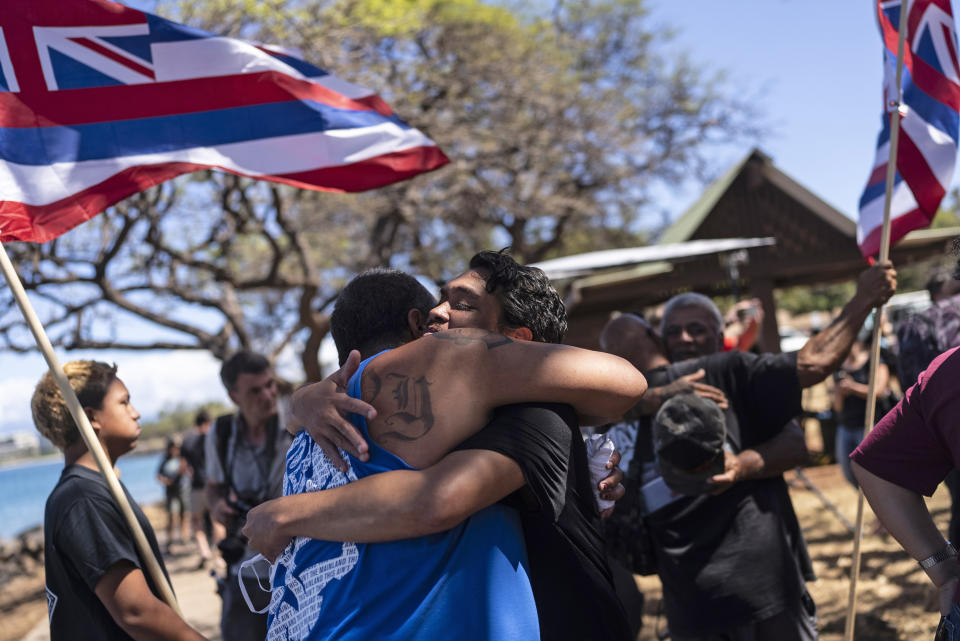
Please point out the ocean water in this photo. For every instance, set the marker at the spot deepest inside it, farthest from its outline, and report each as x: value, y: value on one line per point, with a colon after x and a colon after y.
x: 24, y: 488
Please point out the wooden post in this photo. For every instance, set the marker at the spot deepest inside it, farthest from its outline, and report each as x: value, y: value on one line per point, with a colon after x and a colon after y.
x: 894, y: 108
x: 770, y: 329
x: 86, y: 431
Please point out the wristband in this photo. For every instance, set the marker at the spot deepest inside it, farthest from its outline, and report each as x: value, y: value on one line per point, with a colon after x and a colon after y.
x: 944, y: 554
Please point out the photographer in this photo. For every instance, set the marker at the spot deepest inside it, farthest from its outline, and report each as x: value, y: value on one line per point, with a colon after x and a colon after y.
x: 245, y: 455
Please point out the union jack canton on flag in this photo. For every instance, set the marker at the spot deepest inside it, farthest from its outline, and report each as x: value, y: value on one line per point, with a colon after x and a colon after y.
x: 927, y: 146
x: 99, y: 101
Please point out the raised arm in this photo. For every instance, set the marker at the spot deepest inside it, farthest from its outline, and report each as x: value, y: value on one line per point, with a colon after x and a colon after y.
x: 824, y: 352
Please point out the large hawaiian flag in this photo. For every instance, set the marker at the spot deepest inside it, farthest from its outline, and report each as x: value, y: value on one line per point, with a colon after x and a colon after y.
x: 927, y: 144
x: 99, y: 101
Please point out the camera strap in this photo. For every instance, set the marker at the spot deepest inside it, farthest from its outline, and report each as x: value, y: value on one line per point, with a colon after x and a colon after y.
x: 229, y: 454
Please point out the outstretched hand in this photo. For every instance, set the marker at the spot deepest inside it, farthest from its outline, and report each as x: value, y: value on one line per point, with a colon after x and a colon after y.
x: 322, y: 409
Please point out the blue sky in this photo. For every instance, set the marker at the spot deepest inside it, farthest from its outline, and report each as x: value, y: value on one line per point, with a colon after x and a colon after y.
x: 815, y: 68
x: 813, y: 65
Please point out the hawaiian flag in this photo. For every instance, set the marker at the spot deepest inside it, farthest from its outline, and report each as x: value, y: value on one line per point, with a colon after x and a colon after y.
x: 99, y: 101
x: 927, y: 146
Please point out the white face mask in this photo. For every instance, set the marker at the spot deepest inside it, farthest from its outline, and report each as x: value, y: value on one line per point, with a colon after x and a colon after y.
x: 261, y: 568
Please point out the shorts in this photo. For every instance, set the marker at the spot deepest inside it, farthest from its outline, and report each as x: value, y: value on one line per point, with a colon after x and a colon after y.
x: 198, y: 501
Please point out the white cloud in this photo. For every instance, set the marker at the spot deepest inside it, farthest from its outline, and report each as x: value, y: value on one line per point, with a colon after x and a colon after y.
x: 156, y: 380
x: 159, y: 380
x: 15, y: 400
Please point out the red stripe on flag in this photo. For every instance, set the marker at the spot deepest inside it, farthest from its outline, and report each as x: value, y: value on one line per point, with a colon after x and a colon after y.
x: 935, y: 84
x: 41, y: 223
x: 101, y: 13
x: 947, y: 37
x: 103, y: 104
x: 899, y: 227
x: 879, y: 175
x: 116, y: 57
x: 917, y: 10
x: 376, y: 103
x: 926, y: 77
x: 915, y: 171
x: 375, y: 172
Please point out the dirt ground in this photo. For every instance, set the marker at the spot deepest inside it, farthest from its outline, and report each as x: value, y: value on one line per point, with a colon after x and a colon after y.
x: 894, y: 598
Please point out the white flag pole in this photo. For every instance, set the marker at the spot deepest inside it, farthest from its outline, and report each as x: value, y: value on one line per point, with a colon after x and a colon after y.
x: 86, y: 431
x: 894, y: 107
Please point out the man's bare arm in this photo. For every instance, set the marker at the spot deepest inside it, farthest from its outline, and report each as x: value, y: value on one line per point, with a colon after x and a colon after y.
x: 904, y: 513
x: 786, y: 450
x: 389, y: 506
x: 824, y: 352
x: 124, y: 592
x: 689, y: 384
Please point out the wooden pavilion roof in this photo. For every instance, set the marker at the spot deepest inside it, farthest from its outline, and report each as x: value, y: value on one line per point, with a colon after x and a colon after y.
x: 815, y: 243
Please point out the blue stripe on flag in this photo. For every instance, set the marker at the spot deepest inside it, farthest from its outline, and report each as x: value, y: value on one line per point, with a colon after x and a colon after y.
x: 893, y: 14
x: 45, y: 145
x: 932, y: 111
x: 165, y: 31
x: 927, y: 52
x: 302, y: 66
x: 878, y: 190
x: 71, y: 74
x: 138, y: 46
x: 3, y: 81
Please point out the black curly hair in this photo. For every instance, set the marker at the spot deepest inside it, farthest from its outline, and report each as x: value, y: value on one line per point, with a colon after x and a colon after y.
x: 371, y: 311
x: 527, y: 299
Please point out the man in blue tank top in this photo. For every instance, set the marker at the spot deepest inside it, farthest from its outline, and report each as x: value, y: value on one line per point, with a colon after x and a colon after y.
x: 428, y: 396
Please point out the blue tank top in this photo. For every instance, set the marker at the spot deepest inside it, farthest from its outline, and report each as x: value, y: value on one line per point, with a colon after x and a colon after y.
x: 469, y: 583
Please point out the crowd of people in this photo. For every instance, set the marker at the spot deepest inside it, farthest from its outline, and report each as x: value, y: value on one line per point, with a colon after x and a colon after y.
x: 439, y: 484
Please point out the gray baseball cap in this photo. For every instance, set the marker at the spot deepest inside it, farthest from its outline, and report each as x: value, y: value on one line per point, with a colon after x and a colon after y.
x: 689, y: 433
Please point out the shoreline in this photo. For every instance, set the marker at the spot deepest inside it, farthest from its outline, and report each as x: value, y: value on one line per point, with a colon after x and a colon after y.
x: 52, y: 465
x: 150, y: 446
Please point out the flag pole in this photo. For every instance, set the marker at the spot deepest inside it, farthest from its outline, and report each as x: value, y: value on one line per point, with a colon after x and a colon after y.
x: 878, y: 318
x: 86, y: 431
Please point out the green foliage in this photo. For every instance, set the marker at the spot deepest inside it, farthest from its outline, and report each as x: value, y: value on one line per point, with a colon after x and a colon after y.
x: 806, y: 298
x: 559, y: 119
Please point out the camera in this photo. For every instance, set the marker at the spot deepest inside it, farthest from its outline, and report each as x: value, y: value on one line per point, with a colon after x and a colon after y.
x: 234, y: 544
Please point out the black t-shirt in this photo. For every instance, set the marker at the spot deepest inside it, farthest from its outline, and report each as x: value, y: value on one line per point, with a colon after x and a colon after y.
x: 739, y: 556
x: 853, y: 414
x: 569, y: 574
x: 194, y: 452
x: 84, y: 536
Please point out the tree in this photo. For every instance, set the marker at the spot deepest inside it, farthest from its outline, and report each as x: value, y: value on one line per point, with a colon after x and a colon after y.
x: 557, y: 124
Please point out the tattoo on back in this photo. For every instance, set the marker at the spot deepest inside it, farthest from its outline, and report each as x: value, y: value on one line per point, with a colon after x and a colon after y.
x: 413, y: 415
x: 467, y: 336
